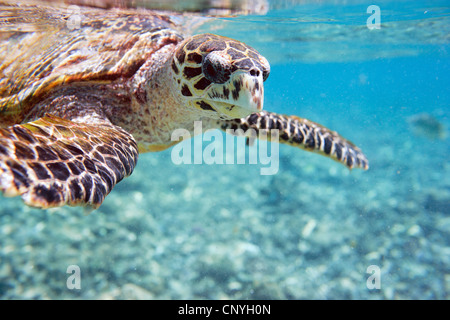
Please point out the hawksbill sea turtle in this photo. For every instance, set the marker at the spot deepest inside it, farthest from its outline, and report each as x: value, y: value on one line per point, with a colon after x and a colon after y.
x: 78, y: 105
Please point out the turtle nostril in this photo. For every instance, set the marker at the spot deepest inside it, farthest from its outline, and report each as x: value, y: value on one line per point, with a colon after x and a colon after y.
x: 254, y: 72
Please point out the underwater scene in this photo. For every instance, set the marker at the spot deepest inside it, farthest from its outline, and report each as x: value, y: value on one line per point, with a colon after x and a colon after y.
x: 378, y: 73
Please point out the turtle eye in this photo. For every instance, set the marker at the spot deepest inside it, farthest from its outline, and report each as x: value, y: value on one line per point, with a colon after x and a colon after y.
x: 266, y: 74
x: 265, y: 66
x: 216, y: 68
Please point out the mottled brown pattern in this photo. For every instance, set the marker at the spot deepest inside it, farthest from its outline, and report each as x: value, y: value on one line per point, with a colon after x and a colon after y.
x: 56, y: 57
x: 212, y: 66
x: 305, y: 134
x: 66, y: 163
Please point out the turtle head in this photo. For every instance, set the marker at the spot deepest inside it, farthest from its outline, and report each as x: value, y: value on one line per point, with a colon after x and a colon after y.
x: 220, y: 75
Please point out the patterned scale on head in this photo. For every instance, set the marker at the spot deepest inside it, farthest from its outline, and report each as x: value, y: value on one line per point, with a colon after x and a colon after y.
x: 220, y: 75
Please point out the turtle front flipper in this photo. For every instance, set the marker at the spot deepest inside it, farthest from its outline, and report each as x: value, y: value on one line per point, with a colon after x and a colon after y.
x: 302, y: 133
x: 52, y: 161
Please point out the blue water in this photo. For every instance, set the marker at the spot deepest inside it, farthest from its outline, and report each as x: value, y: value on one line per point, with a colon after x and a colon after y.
x: 309, y: 232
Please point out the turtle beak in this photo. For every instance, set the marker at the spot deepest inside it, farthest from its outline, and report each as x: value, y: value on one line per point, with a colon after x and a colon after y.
x: 248, y: 92
x: 239, y: 97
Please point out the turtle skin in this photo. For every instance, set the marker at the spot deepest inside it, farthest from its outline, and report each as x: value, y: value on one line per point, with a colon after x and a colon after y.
x: 78, y: 105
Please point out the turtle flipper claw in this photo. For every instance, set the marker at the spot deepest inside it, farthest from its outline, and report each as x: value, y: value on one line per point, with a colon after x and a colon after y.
x: 52, y: 161
x: 304, y: 134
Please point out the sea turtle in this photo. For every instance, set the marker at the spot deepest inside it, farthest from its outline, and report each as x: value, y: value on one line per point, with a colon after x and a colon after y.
x: 79, y: 103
